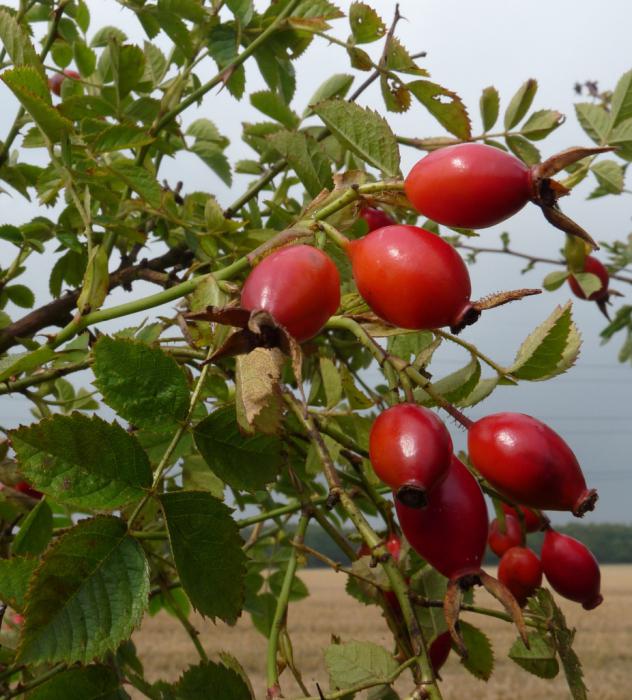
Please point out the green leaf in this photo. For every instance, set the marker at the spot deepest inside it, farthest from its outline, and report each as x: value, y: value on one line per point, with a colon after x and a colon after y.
x: 550, y: 349
x: 523, y: 149
x: 224, y: 683
x: 594, y: 120
x: 207, y: 550
x: 429, y: 583
x: 335, y: 86
x: 489, y: 106
x: 20, y: 295
x: 588, y: 282
x: 456, y: 386
x: 95, y: 283
x: 554, y: 280
x: 89, y: 683
x: 85, y: 58
x: 138, y: 179
x: 362, y: 131
x: 141, y: 383
x: 155, y: 64
x: 621, y: 105
x: 306, y: 158
x: 480, y: 392
x: 214, y: 157
x: 356, y: 398
x: 444, y: 105
x: 480, y: 656
x: 331, y: 382
x: 119, y: 137
x: 245, y: 463
x: 540, y: 124
x: 24, y: 361
x: 366, y: 24
x: 610, y: 175
x: 621, y: 137
x: 539, y: 659
x: 353, y: 663
x: 83, y: 461
x: 107, y: 34
x: 205, y: 130
x: 87, y: 595
x: 258, y: 401
x: 32, y: 92
x: 520, y: 103
x: 128, y: 66
x: 273, y: 106
x: 15, y: 574
x: 242, y: 9
x: 35, y: 531
x: 17, y: 42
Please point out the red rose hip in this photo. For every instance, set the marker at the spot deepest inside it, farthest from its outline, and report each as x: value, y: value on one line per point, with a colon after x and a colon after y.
x: 528, y: 462
x: 499, y: 542
x: 532, y: 521
x: 439, y: 651
x: 520, y: 570
x: 411, y: 277
x: 469, y: 185
x: 571, y: 569
x: 375, y: 218
x: 595, y: 267
x: 298, y: 286
x: 26, y: 488
x: 55, y: 81
x: 410, y: 450
x: 451, y: 532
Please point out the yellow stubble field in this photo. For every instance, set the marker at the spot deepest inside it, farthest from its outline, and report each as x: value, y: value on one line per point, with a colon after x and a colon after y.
x: 603, y: 642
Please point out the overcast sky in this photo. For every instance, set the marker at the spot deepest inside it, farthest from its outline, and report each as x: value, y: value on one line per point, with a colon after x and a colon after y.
x: 470, y: 46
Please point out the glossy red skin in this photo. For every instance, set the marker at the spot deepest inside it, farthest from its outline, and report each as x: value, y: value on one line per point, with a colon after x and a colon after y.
x: 596, y: 268
x: 469, y: 185
x: 409, y: 444
x: 25, y: 488
x: 375, y: 218
x: 532, y: 521
x: 521, y: 571
x: 526, y: 460
x: 55, y: 81
x: 411, y: 277
x: 298, y: 286
x: 440, y: 650
x: 571, y: 569
x: 499, y: 542
x: 451, y: 532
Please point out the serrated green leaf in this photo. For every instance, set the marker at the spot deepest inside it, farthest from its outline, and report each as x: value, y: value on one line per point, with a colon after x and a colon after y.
x: 246, y: 463
x: 523, y: 149
x: 142, y: 384
x: 306, y: 158
x: 489, y: 106
x: 155, y: 64
x: 207, y: 550
x: 107, y: 34
x: 362, y: 131
x: 87, y: 595
x: 554, y: 280
x: 430, y: 584
x: 272, y: 105
x: 610, y: 175
x: 456, y: 386
x: 24, y: 361
x: 85, y: 58
x: 356, y: 398
x: 621, y: 137
x: 118, y: 137
x: 128, y: 66
x: 539, y: 659
x: 480, y: 656
x: 242, y: 9
x: 409, y: 345
x: 138, y: 179
x: 353, y: 663
x: 550, y: 349
x: 366, y: 25
x: 214, y: 157
x: 444, y: 105
x: 17, y: 42
x: 83, y: 461
x: 396, y: 95
x: 195, y: 682
x: 35, y: 531
x: 594, y: 120
x: 205, y: 130
x: 520, y: 103
x: 336, y: 85
x: 15, y: 574
x: 541, y: 123
x: 480, y: 392
x: 89, y: 683
x: 621, y: 105
x: 331, y: 382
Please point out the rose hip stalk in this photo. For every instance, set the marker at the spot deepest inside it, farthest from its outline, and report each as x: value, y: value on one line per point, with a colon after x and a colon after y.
x: 571, y: 569
x: 410, y: 450
x: 413, y: 279
x: 530, y: 463
x: 450, y: 533
x: 499, y: 542
x: 520, y: 570
x: 473, y: 185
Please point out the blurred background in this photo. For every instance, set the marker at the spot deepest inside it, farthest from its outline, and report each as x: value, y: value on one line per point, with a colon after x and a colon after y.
x: 469, y: 46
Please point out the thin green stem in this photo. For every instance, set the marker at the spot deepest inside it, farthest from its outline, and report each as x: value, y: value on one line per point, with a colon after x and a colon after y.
x: 501, y: 371
x: 281, y: 610
x: 193, y: 634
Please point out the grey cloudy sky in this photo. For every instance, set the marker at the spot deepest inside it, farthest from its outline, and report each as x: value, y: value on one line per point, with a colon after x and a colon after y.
x: 470, y: 46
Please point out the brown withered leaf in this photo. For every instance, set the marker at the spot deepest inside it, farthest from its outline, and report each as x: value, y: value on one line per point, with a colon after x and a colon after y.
x: 258, y: 398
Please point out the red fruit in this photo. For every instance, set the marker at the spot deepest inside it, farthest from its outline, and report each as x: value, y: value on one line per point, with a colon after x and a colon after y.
x: 55, y: 81
x: 532, y: 521
x: 530, y: 463
x: 410, y: 450
x: 298, y: 286
x: 25, y: 488
x: 393, y: 544
x: 375, y: 218
x: 595, y: 267
x: 571, y: 569
x: 451, y: 532
x: 520, y: 570
x: 439, y: 651
x: 411, y: 277
x: 499, y: 542
x: 470, y: 185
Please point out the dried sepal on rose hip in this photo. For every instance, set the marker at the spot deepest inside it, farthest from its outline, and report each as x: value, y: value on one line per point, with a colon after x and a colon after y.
x: 473, y: 185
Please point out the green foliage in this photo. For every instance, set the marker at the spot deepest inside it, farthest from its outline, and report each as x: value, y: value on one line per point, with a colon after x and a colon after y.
x: 354, y: 663
x: 480, y: 656
x: 89, y: 683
